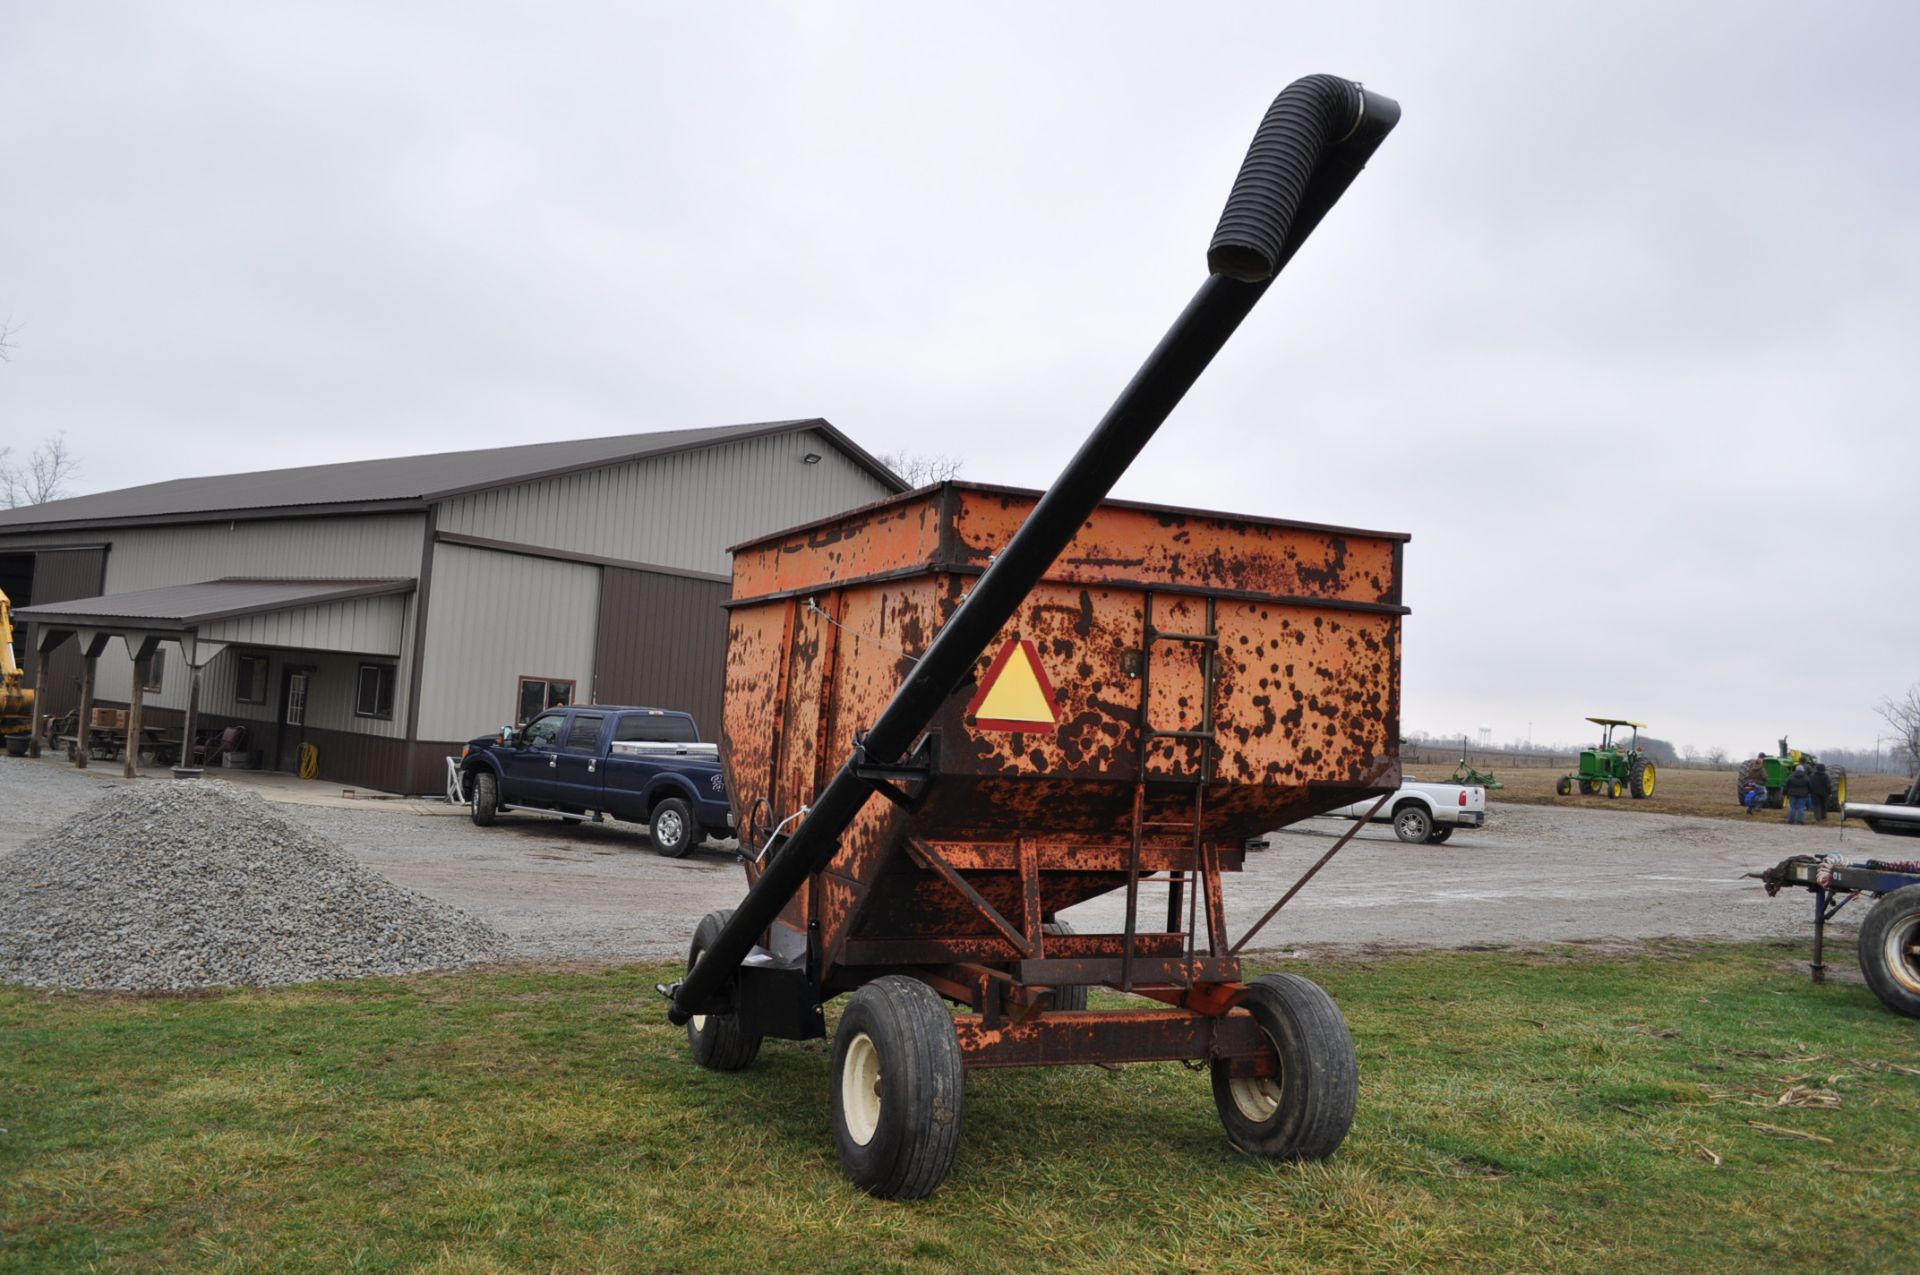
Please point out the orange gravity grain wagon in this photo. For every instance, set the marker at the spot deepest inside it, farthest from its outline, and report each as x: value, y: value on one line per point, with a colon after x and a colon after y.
x: 954, y: 714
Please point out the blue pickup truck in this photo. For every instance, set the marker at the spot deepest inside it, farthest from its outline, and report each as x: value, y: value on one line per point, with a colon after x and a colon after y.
x: 589, y: 761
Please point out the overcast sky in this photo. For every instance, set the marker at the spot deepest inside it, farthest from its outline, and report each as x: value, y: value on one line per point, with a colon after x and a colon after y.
x: 1623, y: 323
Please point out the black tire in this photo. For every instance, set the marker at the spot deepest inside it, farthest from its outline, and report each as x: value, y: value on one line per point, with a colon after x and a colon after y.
x: 1412, y: 824
x: 1065, y: 997
x: 1565, y: 786
x: 486, y: 798
x: 1304, y: 1112
x: 1588, y: 788
x: 721, y: 1042
x: 1890, y: 950
x: 672, y: 829
x: 897, y: 1089
x: 1440, y: 834
x: 1751, y: 771
x: 1776, y: 798
x: 1641, y: 777
x: 1614, y: 789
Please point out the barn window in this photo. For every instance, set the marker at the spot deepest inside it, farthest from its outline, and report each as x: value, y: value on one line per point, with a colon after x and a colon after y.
x: 156, y: 669
x: 250, y: 679
x: 537, y: 693
x: 374, y: 697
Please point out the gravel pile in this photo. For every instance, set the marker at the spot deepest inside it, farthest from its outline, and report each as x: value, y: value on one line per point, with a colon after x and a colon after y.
x: 163, y: 887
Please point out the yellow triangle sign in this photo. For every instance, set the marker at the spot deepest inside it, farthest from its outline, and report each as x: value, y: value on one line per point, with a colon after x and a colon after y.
x: 1015, y: 694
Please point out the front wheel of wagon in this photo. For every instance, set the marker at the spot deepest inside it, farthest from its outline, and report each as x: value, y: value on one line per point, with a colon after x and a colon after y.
x: 721, y: 1042
x: 1890, y: 950
x: 897, y: 1089
x: 1303, y: 1110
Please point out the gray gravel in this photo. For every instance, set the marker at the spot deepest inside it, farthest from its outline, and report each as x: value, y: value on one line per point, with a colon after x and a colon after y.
x: 169, y: 886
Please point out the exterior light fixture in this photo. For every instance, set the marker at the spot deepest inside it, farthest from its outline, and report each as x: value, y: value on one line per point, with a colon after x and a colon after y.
x: 811, y: 458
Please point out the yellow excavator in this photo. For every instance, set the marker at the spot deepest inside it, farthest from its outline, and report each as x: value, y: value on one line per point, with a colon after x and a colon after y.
x: 16, y: 701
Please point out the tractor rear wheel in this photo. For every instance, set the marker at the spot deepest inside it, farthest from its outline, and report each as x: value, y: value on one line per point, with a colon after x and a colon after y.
x: 1751, y: 772
x: 1065, y: 997
x: 721, y: 1042
x: 1302, y: 1111
x: 897, y: 1089
x: 1837, y: 801
x: 1640, y: 778
x: 1565, y: 785
x: 1890, y: 950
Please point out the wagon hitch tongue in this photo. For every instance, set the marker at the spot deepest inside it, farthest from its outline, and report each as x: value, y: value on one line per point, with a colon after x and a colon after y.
x: 1315, y: 139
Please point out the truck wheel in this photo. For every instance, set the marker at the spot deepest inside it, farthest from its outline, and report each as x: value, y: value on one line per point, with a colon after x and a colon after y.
x: 1440, y: 834
x: 1303, y: 1111
x: 1565, y: 786
x: 1640, y: 779
x: 1412, y: 824
x: 1065, y: 997
x: 486, y: 798
x: 720, y: 1042
x: 1890, y: 950
x: 897, y: 1089
x: 672, y: 828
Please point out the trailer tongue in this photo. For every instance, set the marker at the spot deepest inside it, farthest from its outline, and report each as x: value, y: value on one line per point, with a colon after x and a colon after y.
x: 1005, y: 801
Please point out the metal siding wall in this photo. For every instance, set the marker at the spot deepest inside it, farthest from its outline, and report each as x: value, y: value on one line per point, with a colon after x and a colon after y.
x: 494, y: 618
x: 662, y: 644
x: 361, y: 626
x: 679, y: 511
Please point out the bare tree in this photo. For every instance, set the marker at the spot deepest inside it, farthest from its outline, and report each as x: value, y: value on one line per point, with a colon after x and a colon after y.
x: 922, y: 469
x: 1903, y: 715
x: 43, y: 476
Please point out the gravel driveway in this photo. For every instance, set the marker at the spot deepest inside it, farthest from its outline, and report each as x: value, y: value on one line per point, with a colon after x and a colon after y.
x: 1535, y: 874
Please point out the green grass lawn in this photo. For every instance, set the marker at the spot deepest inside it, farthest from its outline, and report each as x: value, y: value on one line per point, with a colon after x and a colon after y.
x: 1533, y: 1112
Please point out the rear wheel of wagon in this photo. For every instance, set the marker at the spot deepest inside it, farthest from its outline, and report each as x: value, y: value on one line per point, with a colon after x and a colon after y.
x: 1412, y: 824
x: 1303, y: 1110
x: 672, y: 828
x: 720, y: 1041
x: 486, y: 798
x: 897, y: 1089
x: 1065, y: 997
x: 1890, y: 950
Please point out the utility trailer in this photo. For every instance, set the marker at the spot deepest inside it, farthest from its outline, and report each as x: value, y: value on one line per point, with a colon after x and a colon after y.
x: 954, y: 714
x: 1889, y: 943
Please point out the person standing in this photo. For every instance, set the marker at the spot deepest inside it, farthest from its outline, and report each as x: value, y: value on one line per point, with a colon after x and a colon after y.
x: 1799, y: 790
x: 1822, y: 784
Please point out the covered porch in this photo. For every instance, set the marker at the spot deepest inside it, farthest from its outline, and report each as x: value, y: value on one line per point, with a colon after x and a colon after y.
x: 311, y: 671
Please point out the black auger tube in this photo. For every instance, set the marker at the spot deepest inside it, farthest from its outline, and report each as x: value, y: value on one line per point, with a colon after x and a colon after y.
x: 1313, y: 142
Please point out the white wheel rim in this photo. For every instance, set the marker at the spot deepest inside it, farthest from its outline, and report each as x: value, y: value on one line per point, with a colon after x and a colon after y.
x: 1902, y: 953
x: 1257, y: 1097
x: 860, y: 1089
x: 669, y: 827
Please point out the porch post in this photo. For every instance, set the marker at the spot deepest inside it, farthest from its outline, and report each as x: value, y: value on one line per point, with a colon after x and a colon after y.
x: 142, y: 653
x: 91, y: 644
x: 45, y: 642
x: 186, y: 769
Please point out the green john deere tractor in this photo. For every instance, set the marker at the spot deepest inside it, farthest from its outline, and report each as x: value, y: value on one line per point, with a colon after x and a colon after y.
x: 1613, y: 767
x: 1771, y: 773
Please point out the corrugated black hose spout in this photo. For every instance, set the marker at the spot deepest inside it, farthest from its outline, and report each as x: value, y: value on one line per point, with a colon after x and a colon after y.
x: 1313, y: 142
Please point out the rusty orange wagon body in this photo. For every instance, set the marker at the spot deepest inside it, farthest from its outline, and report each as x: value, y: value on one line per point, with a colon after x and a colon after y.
x: 1180, y: 682
x: 955, y: 714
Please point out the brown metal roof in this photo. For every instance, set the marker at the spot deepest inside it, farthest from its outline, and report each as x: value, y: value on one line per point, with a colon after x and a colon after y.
x: 394, y: 482
x: 182, y: 606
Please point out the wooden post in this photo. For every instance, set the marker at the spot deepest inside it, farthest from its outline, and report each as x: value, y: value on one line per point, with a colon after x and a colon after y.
x: 142, y: 652
x: 45, y: 640
x: 88, y: 659
x: 193, y: 707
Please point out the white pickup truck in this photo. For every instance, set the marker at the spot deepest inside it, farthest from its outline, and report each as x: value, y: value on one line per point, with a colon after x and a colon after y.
x: 1425, y: 813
